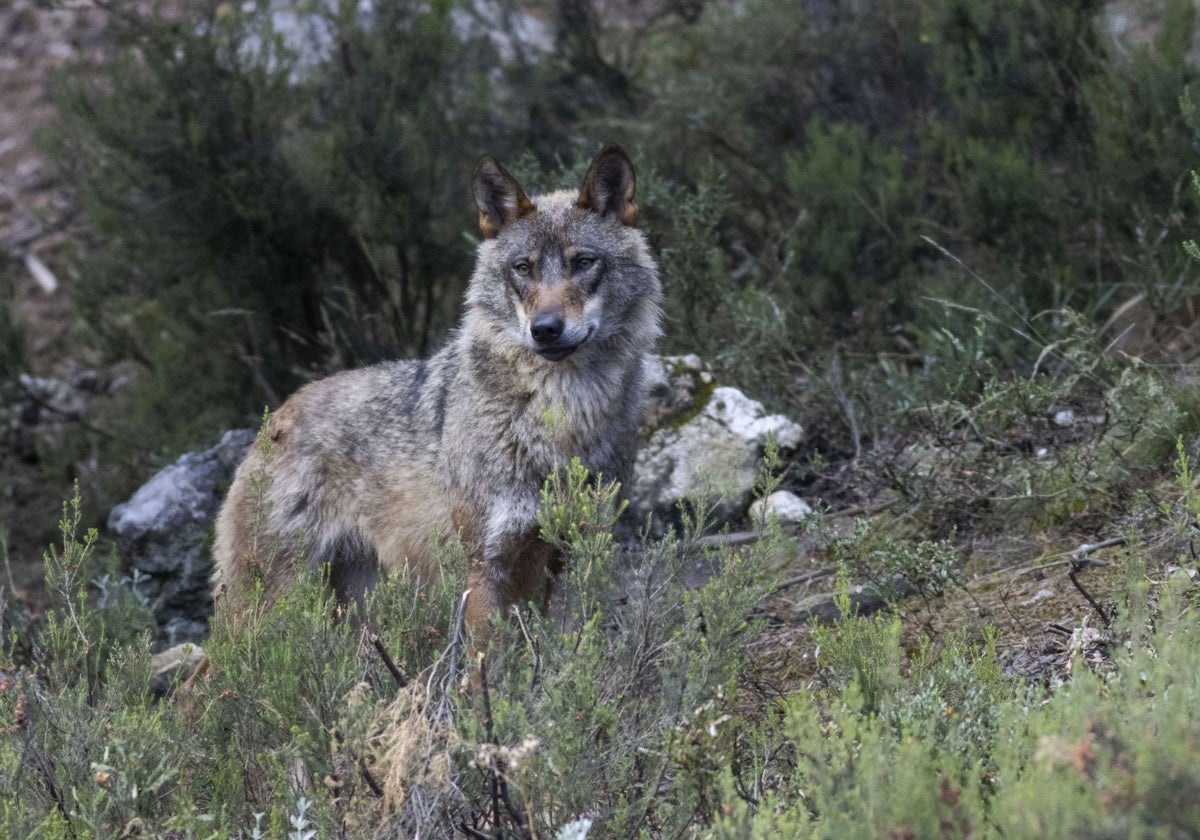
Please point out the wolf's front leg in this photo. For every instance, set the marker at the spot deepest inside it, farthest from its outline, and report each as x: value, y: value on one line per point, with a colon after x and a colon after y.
x: 523, y: 570
x: 484, y: 601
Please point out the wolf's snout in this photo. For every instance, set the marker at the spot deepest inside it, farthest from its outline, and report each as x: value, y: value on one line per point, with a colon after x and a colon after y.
x: 546, y: 328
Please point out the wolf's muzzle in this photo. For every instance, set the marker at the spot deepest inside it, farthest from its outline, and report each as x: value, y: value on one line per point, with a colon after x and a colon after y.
x: 551, y: 339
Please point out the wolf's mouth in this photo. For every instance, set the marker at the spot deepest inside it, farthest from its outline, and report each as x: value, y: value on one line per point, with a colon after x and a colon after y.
x: 557, y: 352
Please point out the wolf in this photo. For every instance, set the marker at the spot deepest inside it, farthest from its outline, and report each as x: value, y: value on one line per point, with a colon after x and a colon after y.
x: 367, y: 470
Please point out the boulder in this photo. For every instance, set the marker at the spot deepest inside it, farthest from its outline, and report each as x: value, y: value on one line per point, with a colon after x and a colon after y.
x: 164, y: 530
x: 705, y: 436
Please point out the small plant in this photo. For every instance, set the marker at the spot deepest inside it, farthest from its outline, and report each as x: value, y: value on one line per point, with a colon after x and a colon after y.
x: 865, y: 651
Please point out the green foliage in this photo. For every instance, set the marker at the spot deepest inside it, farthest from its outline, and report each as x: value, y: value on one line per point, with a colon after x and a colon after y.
x: 863, y: 651
x: 624, y: 704
x: 988, y: 443
x: 686, y: 223
x: 586, y: 711
x: 83, y: 750
x: 856, y: 228
x: 1004, y: 143
x: 950, y: 748
x: 77, y: 639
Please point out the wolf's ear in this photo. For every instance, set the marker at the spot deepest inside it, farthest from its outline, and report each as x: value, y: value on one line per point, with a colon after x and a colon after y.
x: 498, y: 196
x: 608, y: 187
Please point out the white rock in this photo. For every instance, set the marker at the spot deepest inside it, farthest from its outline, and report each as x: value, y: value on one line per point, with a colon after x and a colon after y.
x: 747, y: 419
x: 785, y: 505
x: 1064, y: 418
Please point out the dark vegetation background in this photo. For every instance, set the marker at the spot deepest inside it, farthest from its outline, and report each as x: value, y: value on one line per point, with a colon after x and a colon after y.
x: 839, y: 192
x: 949, y: 237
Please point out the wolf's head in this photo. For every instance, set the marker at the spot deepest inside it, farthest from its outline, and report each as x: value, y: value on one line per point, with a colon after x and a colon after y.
x: 566, y: 272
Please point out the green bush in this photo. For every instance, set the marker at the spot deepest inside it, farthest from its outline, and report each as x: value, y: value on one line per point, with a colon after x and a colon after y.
x: 949, y: 748
x: 1014, y: 137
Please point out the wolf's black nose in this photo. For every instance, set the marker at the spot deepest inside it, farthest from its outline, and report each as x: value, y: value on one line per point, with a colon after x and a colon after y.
x: 546, y: 328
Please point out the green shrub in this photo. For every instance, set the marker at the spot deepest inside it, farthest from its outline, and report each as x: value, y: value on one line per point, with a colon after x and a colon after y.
x: 623, y: 697
x: 949, y: 748
x: 1004, y: 145
x: 625, y: 687
x: 83, y: 750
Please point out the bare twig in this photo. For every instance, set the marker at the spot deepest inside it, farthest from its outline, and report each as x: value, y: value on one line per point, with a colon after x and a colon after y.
x: 388, y: 662
x: 471, y: 831
x: 1090, y: 548
x: 1076, y: 568
x: 372, y: 785
x: 731, y: 540
x: 456, y: 636
x: 43, y: 764
x: 1057, y: 559
x: 857, y: 509
x: 532, y: 644
x: 497, y: 782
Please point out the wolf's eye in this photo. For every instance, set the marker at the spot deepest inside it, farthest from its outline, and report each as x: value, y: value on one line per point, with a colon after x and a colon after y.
x: 584, y: 261
x: 522, y: 267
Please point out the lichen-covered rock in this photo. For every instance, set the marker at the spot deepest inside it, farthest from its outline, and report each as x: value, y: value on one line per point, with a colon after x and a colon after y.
x: 163, y: 532
x: 706, y: 437
x: 677, y: 386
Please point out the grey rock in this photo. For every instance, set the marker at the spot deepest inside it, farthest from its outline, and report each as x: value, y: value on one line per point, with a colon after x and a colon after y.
x: 163, y: 532
x: 67, y: 399
x: 677, y: 384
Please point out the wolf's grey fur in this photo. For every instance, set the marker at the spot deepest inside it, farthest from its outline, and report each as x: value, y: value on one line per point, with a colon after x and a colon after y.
x: 368, y: 468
